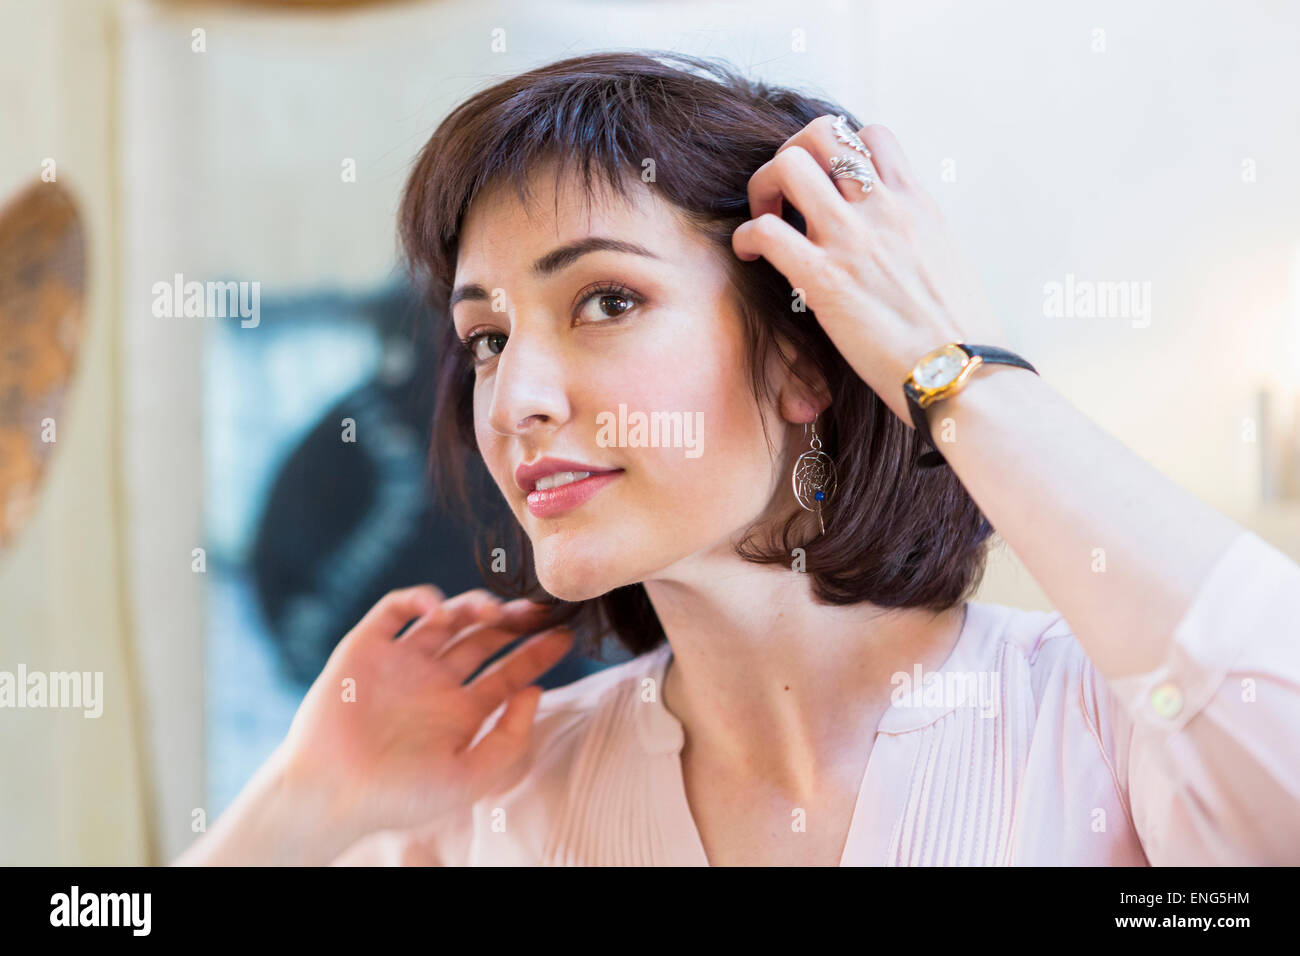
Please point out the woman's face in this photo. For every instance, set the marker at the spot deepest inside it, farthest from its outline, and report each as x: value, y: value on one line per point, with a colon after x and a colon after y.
x: 574, y: 346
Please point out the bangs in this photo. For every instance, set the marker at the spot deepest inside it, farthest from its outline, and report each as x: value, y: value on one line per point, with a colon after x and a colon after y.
x: 602, y: 119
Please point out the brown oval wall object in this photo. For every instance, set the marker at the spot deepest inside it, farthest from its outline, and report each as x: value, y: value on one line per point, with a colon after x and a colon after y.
x: 42, y: 296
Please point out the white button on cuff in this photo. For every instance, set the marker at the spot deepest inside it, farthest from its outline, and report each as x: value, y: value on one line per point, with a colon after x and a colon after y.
x: 1167, y: 700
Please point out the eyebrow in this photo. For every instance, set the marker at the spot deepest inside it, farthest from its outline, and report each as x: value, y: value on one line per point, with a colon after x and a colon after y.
x: 554, y: 261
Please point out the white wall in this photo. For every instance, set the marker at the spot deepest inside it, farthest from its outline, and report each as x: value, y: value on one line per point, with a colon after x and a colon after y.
x: 72, y: 789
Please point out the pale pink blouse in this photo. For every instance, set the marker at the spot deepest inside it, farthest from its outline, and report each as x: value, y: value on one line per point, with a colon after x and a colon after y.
x: 1197, y: 762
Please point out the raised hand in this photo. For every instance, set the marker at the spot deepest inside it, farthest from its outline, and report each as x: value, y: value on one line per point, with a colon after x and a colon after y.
x: 386, y: 727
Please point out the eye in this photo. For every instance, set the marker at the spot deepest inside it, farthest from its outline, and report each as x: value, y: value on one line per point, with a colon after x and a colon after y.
x: 474, y: 344
x: 606, y: 301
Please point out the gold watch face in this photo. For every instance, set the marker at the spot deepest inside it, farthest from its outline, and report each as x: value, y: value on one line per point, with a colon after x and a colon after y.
x: 940, y: 368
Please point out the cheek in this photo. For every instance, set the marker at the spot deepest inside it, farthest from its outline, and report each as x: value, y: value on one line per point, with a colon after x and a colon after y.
x: 492, y: 447
x: 727, y: 475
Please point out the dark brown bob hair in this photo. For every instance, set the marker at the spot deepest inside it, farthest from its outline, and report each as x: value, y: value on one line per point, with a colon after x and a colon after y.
x: 896, y: 535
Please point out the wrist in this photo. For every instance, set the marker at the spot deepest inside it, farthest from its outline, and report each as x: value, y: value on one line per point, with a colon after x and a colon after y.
x: 939, y: 378
x: 996, y: 396
x: 314, y: 818
x: 279, y: 818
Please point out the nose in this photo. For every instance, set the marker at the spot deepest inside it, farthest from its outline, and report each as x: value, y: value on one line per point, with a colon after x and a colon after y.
x: 529, y: 393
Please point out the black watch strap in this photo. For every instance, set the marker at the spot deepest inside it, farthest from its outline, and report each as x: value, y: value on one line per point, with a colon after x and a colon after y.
x: 991, y: 355
x: 929, y: 459
x: 997, y: 356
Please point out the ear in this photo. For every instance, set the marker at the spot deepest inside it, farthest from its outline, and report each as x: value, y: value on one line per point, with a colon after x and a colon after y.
x: 801, y: 391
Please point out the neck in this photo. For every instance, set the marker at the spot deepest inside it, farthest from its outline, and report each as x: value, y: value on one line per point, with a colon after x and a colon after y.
x: 766, y: 681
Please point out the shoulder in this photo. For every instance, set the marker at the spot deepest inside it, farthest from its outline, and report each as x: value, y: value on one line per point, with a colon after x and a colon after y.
x: 565, y: 714
x: 1064, y: 694
x: 604, y: 687
x: 533, y: 792
x: 1038, y: 646
x: 1042, y: 640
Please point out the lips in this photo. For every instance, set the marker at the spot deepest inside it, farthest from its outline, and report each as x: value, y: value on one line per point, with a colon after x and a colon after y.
x: 555, y: 486
x: 527, y: 476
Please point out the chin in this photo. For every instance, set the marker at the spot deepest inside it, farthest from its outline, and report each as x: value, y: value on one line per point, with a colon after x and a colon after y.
x: 572, y: 570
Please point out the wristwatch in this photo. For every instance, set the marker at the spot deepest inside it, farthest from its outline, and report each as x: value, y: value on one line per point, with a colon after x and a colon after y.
x: 943, y: 373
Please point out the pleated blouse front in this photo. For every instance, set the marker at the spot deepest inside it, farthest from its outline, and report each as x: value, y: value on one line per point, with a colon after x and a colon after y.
x: 1030, y: 757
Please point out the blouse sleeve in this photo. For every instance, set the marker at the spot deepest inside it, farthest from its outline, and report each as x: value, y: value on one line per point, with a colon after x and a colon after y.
x: 1209, y: 741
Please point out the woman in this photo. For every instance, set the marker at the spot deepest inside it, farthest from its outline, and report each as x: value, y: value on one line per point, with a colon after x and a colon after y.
x: 620, y: 235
